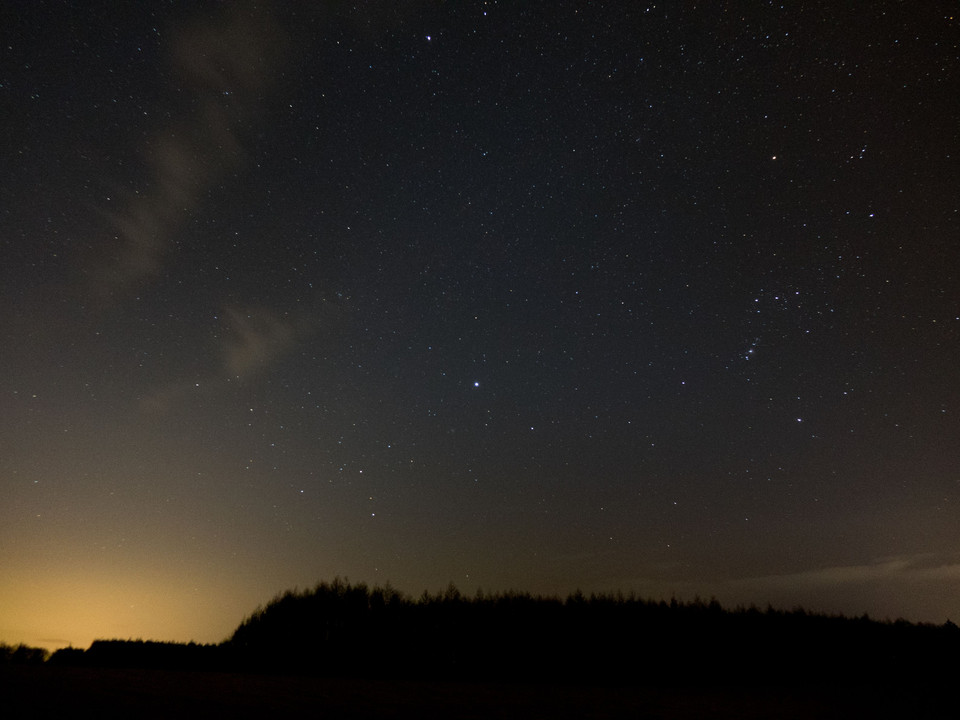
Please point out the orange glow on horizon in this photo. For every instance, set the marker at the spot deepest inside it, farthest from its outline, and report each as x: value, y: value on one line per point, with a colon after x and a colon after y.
x: 73, y: 610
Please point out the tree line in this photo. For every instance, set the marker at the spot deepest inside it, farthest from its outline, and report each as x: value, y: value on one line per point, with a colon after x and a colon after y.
x: 22, y: 654
x: 343, y: 629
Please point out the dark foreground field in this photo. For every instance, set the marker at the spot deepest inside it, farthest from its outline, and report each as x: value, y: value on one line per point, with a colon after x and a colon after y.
x: 44, y: 691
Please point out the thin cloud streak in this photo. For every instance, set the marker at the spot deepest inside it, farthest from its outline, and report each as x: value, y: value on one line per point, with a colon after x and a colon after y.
x: 899, y: 569
x: 227, y: 66
x: 257, y: 338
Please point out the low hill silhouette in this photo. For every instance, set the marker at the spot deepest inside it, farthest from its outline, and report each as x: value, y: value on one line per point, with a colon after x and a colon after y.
x: 342, y: 629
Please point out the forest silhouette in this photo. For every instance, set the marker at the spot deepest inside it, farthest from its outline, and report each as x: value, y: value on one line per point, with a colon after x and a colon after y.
x: 339, y: 629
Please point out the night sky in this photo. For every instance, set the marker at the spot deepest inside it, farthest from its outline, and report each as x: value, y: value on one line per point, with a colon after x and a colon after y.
x: 662, y: 298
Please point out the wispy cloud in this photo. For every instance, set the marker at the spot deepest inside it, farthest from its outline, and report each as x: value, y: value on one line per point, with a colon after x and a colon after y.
x: 917, y: 587
x: 253, y: 340
x: 167, y: 396
x: 226, y: 64
x: 914, y: 568
x: 256, y: 338
x: 911, y: 586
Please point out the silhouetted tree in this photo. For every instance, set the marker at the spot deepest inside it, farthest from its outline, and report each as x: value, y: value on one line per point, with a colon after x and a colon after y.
x: 337, y: 628
x: 22, y: 655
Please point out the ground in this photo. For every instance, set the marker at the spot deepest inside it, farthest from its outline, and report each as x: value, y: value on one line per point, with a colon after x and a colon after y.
x: 44, y: 691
